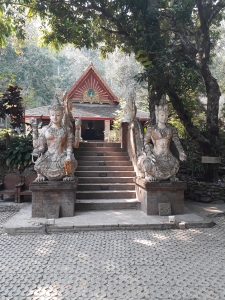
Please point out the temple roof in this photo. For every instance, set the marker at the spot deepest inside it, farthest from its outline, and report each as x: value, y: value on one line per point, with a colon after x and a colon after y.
x: 87, y: 111
x: 91, y: 88
x: 92, y: 99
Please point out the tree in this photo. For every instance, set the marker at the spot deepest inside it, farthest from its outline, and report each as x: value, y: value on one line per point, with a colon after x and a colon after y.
x: 194, y: 29
x: 12, y: 20
x: 11, y: 104
x: 173, y: 40
x: 40, y: 71
x: 5, y: 26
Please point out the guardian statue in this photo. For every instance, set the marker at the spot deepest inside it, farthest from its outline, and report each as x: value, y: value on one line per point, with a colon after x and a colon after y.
x: 53, y: 147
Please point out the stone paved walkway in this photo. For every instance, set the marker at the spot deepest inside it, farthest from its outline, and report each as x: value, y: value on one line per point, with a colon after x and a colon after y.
x: 145, y: 264
x: 5, y: 216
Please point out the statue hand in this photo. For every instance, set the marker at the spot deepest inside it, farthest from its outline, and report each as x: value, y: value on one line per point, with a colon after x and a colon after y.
x: 35, y: 152
x: 38, y: 151
x: 182, y: 156
x: 153, y: 160
x: 33, y: 123
x: 68, y: 157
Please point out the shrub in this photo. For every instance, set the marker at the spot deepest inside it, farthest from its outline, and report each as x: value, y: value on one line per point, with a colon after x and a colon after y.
x: 18, y: 153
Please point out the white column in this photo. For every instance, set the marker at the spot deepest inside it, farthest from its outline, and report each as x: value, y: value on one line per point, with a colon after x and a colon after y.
x: 107, y: 129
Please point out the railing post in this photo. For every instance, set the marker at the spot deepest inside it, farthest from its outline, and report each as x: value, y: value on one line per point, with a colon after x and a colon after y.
x: 124, y: 132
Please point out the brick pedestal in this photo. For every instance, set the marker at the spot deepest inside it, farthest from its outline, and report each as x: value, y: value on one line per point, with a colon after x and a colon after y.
x: 62, y: 193
x: 150, y: 194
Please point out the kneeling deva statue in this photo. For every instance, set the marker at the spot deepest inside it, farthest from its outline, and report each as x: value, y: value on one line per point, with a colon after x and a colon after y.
x: 53, y: 147
x: 156, y: 162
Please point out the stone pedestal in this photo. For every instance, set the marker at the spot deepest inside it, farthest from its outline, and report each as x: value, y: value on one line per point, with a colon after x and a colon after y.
x: 62, y: 193
x: 150, y: 194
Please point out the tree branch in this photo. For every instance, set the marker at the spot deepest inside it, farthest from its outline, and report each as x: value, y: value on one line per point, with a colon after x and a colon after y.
x: 202, y: 16
x: 187, y: 44
x: 216, y: 9
x: 194, y: 132
x: 113, y: 31
x: 108, y: 16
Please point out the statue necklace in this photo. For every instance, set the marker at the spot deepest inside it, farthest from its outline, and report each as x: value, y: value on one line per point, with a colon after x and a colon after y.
x: 162, y: 131
x: 57, y: 132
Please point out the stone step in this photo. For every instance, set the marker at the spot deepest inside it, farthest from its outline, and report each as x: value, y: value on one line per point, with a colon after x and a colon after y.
x: 106, y: 177
x: 105, y: 174
x: 104, y: 168
x: 100, y: 180
x: 102, y: 158
x: 99, y: 149
x: 126, y: 194
x: 105, y: 186
x: 99, y: 144
x: 104, y: 163
x: 97, y: 154
x: 114, y: 204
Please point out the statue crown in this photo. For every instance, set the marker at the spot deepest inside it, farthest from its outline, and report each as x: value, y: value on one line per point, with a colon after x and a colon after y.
x: 56, y: 104
x: 163, y: 105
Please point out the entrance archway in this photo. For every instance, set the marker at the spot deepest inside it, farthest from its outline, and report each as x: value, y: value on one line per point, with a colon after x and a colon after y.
x: 92, y: 130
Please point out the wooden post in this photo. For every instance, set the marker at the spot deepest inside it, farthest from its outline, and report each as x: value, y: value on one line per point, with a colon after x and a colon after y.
x: 211, y: 168
x: 124, y: 132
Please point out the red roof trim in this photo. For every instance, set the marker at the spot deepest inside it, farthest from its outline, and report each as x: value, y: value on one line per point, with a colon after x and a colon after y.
x: 82, y: 118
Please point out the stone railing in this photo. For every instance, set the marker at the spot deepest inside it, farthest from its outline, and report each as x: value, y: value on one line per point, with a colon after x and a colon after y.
x: 128, y: 143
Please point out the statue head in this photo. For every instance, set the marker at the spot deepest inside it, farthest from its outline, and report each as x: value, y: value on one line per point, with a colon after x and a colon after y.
x: 56, y: 111
x: 56, y: 104
x: 162, y: 110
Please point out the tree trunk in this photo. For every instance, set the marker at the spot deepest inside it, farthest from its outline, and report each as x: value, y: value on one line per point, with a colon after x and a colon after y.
x: 213, y: 96
x: 152, y: 101
x: 185, y: 118
x: 154, y: 96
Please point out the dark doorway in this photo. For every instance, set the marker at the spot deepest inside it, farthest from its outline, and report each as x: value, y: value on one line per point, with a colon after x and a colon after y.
x: 92, y: 130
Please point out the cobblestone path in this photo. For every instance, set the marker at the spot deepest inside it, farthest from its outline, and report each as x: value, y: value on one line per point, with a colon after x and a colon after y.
x: 149, y: 264
x: 4, y: 216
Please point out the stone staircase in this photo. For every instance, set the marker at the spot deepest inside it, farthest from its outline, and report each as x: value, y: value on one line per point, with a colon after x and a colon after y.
x: 105, y: 177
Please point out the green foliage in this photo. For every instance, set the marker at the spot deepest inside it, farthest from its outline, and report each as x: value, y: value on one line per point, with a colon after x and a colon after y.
x: 5, y: 26
x: 11, y: 104
x: 41, y: 71
x: 5, y: 79
x: 197, y: 109
x: 173, y: 41
x: 4, y: 138
x: 193, y: 157
x: 115, y: 133
x: 4, y: 132
x: 223, y: 111
x: 19, y: 151
x: 12, y: 20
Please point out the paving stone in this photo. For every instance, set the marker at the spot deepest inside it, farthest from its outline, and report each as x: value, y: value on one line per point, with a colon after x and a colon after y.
x: 126, y: 264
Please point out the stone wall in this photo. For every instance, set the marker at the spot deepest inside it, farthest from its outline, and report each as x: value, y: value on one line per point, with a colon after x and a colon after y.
x: 200, y: 191
x: 204, y: 192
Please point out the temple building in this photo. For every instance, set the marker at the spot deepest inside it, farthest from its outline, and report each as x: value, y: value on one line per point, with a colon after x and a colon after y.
x: 93, y: 102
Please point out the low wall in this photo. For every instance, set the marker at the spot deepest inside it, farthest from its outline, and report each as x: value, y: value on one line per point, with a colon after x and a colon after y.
x: 204, y: 192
